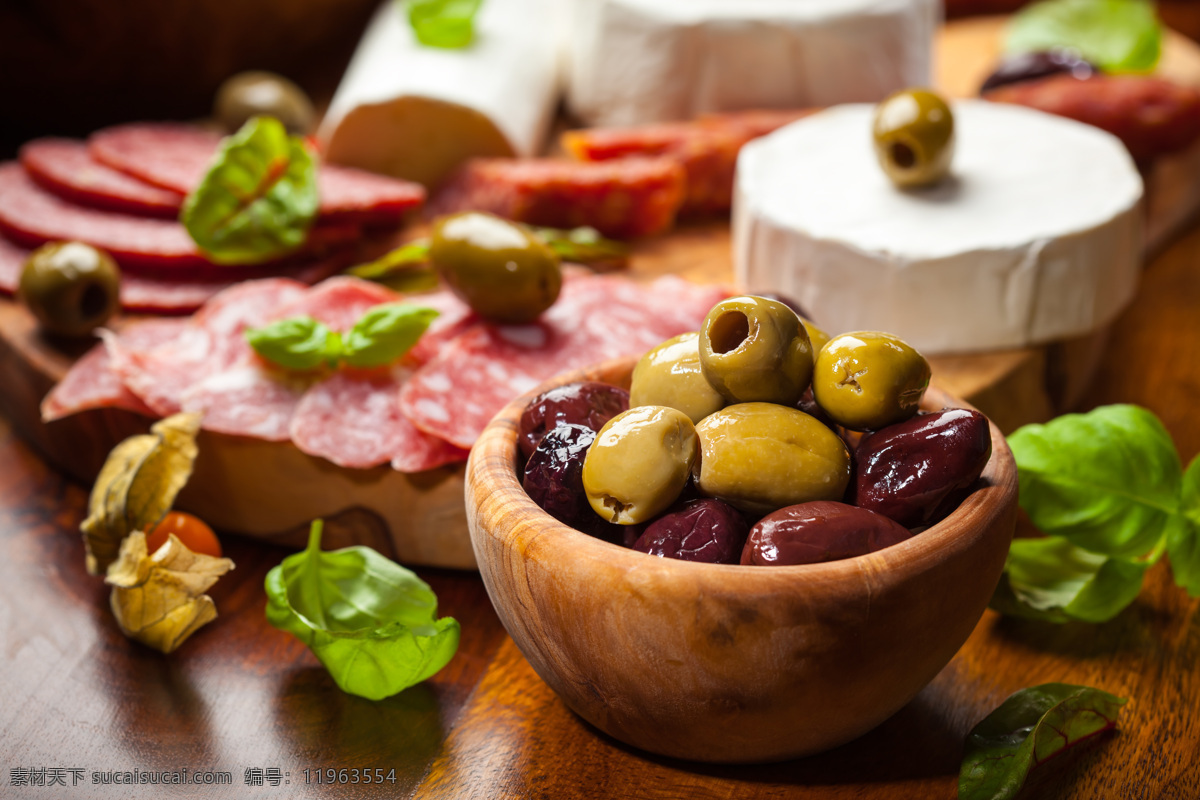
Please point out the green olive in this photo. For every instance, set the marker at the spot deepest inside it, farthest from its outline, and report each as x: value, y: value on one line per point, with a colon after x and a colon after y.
x: 914, y: 137
x: 71, y: 288
x: 497, y: 267
x: 669, y: 375
x: 868, y: 380
x: 639, y: 463
x: 816, y: 337
x: 761, y: 457
x: 755, y: 349
x: 253, y: 94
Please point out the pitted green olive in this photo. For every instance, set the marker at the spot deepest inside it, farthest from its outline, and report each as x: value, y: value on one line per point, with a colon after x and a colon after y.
x: 639, y: 463
x: 254, y: 94
x: 761, y: 457
x: 71, y: 288
x: 754, y: 349
x: 669, y: 375
x: 867, y: 380
x: 914, y: 137
x: 497, y: 267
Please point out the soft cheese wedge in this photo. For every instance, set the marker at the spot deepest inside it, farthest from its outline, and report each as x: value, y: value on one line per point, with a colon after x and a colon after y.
x: 1035, y: 236
x: 637, y: 61
x: 417, y: 112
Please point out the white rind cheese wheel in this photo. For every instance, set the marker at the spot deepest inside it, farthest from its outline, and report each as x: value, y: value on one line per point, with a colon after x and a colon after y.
x: 1035, y: 236
x: 416, y: 112
x: 639, y: 61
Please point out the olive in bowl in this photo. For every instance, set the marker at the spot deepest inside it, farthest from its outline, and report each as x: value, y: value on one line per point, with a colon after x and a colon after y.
x: 729, y: 663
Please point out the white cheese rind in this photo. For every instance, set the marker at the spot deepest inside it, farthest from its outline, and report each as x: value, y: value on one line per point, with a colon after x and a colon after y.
x: 1035, y: 237
x: 510, y: 76
x: 639, y: 61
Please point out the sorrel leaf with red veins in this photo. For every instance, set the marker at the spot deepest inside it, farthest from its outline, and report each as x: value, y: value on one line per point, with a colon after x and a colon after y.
x: 1029, y: 728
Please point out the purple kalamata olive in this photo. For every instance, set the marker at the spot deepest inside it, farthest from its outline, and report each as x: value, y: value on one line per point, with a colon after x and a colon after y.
x: 1031, y: 66
x: 553, y: 474
x: 589, y: 404
x: 811, y: 533
x: 703, y: 530
x: 917, y: 471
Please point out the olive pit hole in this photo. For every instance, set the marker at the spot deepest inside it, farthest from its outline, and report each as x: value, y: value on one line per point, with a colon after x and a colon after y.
x: 93, y: 301
x: 903, y: 155
x: 728, y: 331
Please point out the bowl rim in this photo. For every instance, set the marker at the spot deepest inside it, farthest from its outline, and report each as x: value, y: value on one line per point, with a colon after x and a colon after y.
x: 522, y: 521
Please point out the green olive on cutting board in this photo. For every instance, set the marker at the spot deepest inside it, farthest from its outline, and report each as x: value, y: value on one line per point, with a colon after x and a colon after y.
x: 913, y: 131
x: 499, y: 268
x: 867, y: 380
x: 71, y: 288
x: 254, y: 94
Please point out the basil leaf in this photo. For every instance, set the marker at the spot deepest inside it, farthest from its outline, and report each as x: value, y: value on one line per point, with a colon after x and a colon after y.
x: 1108, y: 480
x: 402, y: 259
x: 443, y: 23
x: 1115, y: 35
x: 385, y: 333
x: 585, y: 246
x: 299, y: 343
x: 370, y: 621
x: 1027, y: 729
x: 1053, y: 580
x: 258, y: 198
x: 1183, y: 540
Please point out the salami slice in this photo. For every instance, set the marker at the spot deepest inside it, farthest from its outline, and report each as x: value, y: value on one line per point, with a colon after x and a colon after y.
x: 338, y: 302
x: 12, y: 262
x: 246, y: 399
x: 354, y: 420
x: 177, y: 156
x: 621, y: 198
x: 65, y: 168
x: 596, y: 318
x: 93, y: 383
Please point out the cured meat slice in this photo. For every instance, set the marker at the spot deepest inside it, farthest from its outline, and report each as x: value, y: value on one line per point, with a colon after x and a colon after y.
x: 354, y: 420
x: 209, y: 344
x: 455, y: 394
x: 93, y: 383
x: 12, y: 262
x: 338, y: 302
x: 454, y: 318
x: 247, y: 399
x: 1152, y: 117
x: 177, y: 156
x: 65, y: 168
x: 31, y: 216
x: 706, y: 148
x: 621, y: 198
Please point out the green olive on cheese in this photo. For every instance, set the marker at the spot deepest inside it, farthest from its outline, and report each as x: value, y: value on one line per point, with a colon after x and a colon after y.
x: 254, y: 94
x: 500, y: 269
x: 913, y: 132
x: 71, y: 288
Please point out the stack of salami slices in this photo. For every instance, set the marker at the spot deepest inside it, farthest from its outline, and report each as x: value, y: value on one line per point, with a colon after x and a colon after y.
x: 122, y: 190
x: 423, y: 412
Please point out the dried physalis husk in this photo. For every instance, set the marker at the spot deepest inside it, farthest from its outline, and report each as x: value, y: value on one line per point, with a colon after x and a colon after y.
x: 158, y: 598
x: 137, y: 486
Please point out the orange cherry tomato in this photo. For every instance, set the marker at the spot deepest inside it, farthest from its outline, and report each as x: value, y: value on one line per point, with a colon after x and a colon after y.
x: 192, y: 531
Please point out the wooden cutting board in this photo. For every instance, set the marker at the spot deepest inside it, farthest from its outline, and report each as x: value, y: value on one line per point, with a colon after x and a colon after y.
x: 271, y: 491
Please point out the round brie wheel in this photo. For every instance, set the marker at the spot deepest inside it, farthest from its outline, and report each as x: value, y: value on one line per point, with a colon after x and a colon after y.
x: 1035, y: 236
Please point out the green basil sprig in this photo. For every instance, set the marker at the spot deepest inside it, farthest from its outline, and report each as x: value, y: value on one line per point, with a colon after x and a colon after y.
x: 383, y: 334
x: 370, y: 621
x: 1027, y: 729
x: 586, y: 246
x: 1108, y: 489
x: 1115, y: 35
x: 443, y: 23
x: 258, y: 198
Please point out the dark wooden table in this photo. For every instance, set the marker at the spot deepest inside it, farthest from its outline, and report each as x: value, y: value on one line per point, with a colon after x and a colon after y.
x: 78, y: 700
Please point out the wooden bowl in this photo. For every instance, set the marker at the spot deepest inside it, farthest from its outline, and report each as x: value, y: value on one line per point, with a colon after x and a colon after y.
x: 725, y: 663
